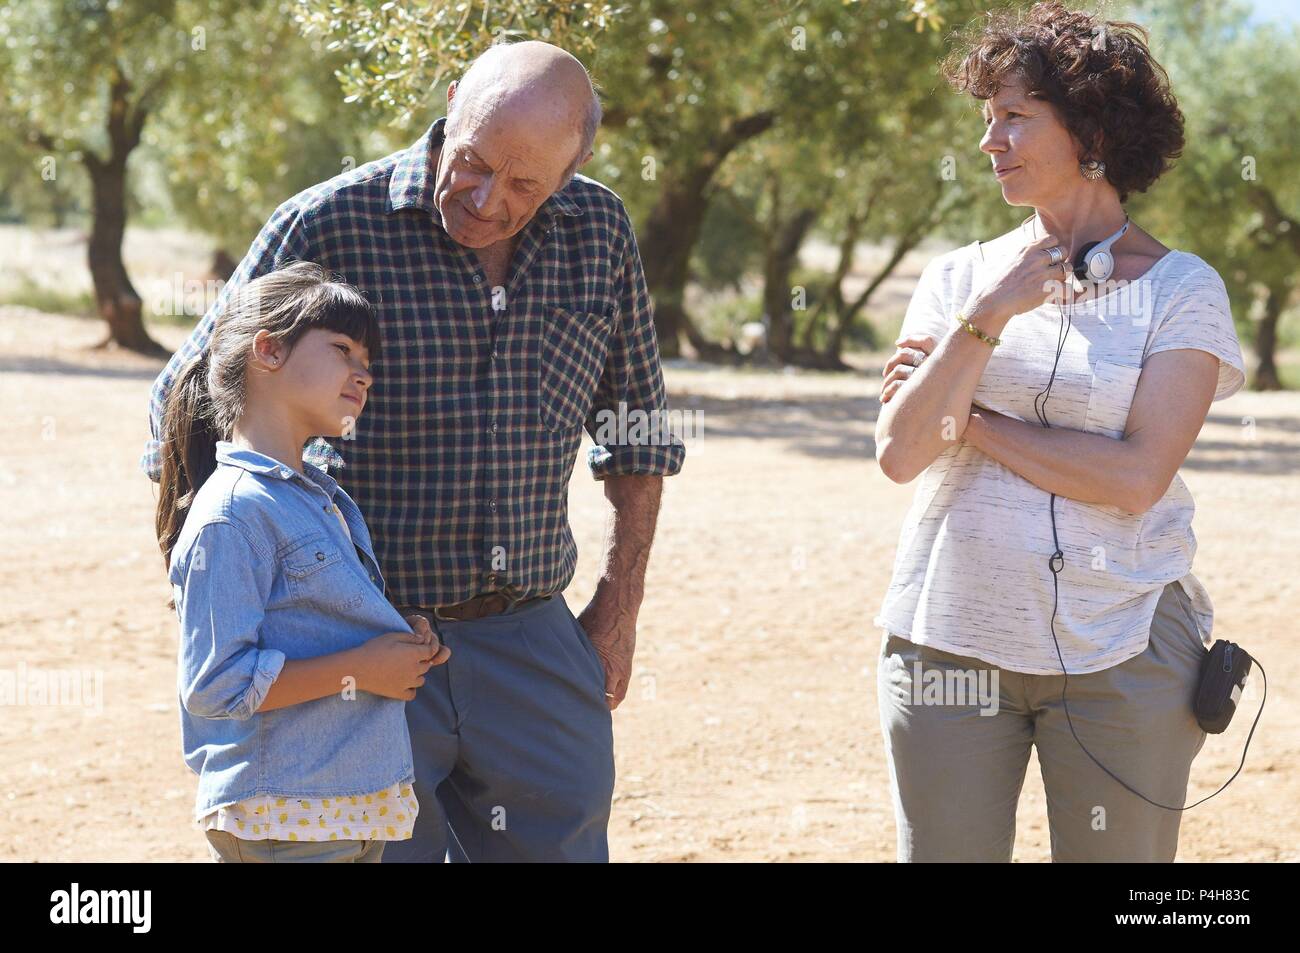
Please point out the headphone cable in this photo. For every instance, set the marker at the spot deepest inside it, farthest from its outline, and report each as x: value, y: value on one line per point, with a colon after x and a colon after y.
x: 1056, y: 562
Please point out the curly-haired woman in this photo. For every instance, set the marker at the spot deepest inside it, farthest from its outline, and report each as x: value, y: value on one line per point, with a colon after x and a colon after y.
x: 1050, y: 532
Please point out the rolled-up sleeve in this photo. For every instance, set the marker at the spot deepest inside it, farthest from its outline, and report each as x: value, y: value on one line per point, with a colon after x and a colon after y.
x: 631, y: 390
x: 285, y: 237
x: 225, y: 585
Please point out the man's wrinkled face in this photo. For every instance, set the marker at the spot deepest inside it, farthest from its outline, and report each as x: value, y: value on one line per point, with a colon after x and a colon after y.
x: 495, y: 171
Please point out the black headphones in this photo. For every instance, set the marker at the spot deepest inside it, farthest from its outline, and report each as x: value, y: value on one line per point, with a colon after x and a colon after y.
x: 1094, y: 263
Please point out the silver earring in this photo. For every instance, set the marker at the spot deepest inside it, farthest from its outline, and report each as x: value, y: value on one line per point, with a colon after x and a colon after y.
x: 1092, y: 170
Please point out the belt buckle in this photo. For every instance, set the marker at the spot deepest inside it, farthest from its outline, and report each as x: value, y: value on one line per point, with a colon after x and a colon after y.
x: 476, y: 599
x: 512, y: 600
x: 437, y: 613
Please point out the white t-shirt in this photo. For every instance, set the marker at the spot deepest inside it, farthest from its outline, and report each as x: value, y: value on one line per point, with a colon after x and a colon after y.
x: 971, y: 571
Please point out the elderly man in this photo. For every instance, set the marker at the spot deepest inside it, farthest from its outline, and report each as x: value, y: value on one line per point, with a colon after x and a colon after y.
x: 514, y: 313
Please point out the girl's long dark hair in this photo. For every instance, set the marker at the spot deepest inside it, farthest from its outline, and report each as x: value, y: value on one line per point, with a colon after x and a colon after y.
x: 209, y: 395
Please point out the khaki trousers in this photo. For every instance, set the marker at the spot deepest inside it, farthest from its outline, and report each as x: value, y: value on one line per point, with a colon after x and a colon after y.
x: 956, y: 774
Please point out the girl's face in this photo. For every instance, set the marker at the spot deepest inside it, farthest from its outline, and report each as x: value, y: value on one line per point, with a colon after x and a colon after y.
x: 1025, y: 137
x: 323, y: 382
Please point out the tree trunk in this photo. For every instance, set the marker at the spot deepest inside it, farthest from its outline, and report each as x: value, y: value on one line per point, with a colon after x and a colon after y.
x: 934, y: 215
x: 223, y: 266
x: 672, y: 230
x: 1277, y: 227
x: 668, y: 237
x: 60, y: 204
x: 1266, y: 376
x: 115, y: 296
x: 832, y: 298
x: 784, y: 239
x: 848, y: 313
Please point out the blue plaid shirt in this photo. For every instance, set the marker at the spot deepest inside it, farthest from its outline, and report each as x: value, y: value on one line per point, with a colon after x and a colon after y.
x: 462, y: 458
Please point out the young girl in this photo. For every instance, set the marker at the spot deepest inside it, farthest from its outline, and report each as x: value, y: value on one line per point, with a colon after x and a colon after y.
x: 294, y: 669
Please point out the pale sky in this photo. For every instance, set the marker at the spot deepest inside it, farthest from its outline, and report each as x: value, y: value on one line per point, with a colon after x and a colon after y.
x: 1279, y: 11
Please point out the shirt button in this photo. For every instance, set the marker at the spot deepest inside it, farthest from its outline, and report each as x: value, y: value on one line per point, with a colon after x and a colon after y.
x: 493, y: 428
x: 495, y: 354
x: 320, y: 557
x: 325, y: 508
x: 478, y: 279
x: 492, y: 505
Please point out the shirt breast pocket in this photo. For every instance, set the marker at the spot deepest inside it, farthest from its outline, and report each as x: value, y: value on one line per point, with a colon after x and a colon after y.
x: 317, y: 573
x: 575, y: 345
x: 1111, y: 397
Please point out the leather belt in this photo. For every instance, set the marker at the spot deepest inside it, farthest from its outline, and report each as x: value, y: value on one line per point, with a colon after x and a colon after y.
x: 489, y: 603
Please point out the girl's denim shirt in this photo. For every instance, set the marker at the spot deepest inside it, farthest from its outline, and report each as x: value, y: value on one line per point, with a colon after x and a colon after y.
x: 262, y: 573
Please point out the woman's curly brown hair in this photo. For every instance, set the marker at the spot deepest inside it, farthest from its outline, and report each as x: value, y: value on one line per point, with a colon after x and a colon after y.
x: 1099, y: 74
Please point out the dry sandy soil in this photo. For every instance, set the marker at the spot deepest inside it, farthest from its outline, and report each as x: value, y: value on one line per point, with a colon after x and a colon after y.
x: 750, y: 732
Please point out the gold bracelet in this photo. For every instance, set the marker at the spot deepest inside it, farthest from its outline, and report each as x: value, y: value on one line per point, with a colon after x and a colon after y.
x: 994, y: 342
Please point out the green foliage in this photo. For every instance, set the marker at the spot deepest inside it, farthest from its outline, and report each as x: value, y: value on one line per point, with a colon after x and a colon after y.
x: 58, y: 59
x: 249, y: 102
x: 398, y: 53
x: 1239, y: 88
x: 729, y: 243
x: 267, y: 122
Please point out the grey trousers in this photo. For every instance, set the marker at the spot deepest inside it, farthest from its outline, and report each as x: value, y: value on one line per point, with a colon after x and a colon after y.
x: 956, y: 774
x: 226, y: 848
x: 513, y: 743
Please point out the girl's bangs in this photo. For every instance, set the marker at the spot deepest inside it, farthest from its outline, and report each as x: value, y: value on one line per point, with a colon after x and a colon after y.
x: 348, y: 313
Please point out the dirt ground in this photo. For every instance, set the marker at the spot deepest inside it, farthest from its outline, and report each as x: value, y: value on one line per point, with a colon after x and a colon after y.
x: 750, y: 732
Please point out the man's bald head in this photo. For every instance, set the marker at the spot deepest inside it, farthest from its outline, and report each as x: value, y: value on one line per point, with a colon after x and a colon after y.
x: 532, y: 82
x: 519, y: 124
